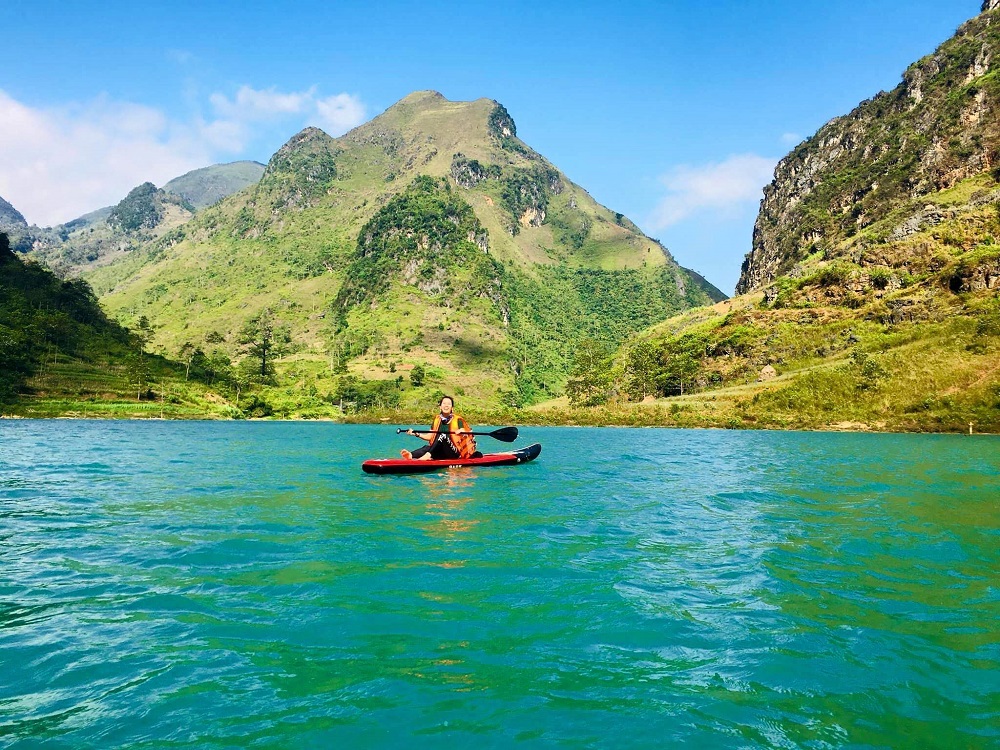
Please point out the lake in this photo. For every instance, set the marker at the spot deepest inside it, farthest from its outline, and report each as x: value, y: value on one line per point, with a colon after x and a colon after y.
x: 196, y: 584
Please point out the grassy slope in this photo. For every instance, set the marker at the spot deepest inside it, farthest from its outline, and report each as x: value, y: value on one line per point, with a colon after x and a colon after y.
x: 889, y: 342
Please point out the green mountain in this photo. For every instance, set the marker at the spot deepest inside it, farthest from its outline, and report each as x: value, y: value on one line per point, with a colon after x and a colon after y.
x: 203, y: 187
x: 869, y: 178
x: 105, y: 235
x: 13, y: 224
x: 431, y: 241
x: 871, y: 298
x: 43, y: 318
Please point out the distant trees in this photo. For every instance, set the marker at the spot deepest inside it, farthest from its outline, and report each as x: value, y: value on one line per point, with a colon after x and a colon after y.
x: 42, y: 316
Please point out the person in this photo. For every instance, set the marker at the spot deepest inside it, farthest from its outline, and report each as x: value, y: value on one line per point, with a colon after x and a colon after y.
x: 449, y: 437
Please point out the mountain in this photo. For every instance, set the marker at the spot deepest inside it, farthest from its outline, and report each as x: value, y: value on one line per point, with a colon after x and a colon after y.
x: 871, y: 297
x: 43, y: 317
x: 431, y: 239
x: 146, y: 213
x: 13, y: 224
x: 882, y: 164
x: 203, y: 187
x: 100, y: 237
x: 10, y: 217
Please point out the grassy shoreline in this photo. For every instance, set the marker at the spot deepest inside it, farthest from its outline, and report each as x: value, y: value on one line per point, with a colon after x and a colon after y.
x: 707, y: 412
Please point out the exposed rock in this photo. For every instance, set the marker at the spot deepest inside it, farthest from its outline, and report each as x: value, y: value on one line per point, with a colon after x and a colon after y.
x: 470, y: 172
x: 937, y: 127
x: 767, y: 373
x: 532, y: 217
x: 978, y: 277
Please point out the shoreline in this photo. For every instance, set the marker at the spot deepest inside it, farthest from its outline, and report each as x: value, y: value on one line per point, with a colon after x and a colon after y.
x: 521, y: 421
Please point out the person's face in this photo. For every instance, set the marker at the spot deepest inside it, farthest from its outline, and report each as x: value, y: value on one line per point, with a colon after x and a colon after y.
x: 446, y: 406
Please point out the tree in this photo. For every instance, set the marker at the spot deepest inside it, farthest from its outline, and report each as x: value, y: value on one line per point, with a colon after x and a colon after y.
x: 642, y: 367
x: 263, y: 342
x: 590, y: 381
x: 137, y: 372
x: 185, y: 354
x: 681, y: 361
x: 143, y: 333
x: 417, y: 375
x: 218, y: 366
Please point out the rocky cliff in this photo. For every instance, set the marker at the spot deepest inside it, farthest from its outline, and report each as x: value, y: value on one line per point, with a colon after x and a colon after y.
x: 938, y: 127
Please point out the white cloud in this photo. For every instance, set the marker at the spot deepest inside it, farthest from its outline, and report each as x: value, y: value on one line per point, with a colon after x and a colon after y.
x: 721, y: 187
x: 256, y: 104
x: 340, y: 113
x: 59, y: 163
x: 335, y: 114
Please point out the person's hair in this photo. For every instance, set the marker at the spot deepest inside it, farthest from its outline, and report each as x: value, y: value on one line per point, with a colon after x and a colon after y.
x: 449, y: 398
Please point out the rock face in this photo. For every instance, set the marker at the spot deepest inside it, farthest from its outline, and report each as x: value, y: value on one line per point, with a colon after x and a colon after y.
x: 940, y: 125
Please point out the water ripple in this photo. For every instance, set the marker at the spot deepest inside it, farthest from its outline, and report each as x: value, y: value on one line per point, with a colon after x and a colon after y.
x: 191, y: 584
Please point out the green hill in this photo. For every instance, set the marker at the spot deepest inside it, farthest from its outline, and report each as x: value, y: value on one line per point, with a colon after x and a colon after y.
x: 872, y: 294
x: 203, y: 187
x: 106, y: 235
x: 430, y: 239
x: 44, y: 319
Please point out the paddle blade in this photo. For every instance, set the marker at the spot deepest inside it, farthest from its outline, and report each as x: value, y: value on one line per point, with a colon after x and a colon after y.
x: 505, y: 434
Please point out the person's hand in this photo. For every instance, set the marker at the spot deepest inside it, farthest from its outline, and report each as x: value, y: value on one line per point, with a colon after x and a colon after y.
x: 409, y: 432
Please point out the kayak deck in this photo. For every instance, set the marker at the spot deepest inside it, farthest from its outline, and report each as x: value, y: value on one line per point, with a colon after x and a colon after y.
x: 410, y: 466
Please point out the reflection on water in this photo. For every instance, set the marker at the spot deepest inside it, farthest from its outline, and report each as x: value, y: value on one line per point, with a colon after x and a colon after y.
x: 247, y: 584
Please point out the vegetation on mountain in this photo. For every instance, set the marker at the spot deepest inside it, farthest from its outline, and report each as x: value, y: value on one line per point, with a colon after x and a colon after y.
x: 43, y: 318
x: 877, y: 165
x: 137, y: 210
x: 905, y: 337
x: 428, y: 237
x: 206, y: 186
x: 416, y: 250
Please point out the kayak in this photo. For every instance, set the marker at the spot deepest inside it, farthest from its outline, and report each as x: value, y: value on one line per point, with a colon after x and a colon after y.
x: 411, y: 466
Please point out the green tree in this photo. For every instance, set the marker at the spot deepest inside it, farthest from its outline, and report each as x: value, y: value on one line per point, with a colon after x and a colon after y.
x: 641, y: 368
x: 263, y: 341
x: 590, y: 381
x: 681, y: 361
x: 417, y: 375
x: 137, y: 372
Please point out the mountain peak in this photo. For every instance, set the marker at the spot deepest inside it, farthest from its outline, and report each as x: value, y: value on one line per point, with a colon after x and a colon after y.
x: 990, y: 5
x: 425, y: 95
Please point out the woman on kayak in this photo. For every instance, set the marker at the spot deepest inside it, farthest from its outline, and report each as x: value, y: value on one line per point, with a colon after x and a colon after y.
x: 449, y: 437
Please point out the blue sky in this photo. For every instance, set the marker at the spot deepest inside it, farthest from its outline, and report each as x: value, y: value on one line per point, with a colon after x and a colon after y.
x: 673, y: 113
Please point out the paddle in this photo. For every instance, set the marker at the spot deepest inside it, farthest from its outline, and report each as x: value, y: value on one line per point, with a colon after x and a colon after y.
x: 504, y: 434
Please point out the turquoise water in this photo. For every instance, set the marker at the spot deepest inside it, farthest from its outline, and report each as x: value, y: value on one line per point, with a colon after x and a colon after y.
x: 168, y: 584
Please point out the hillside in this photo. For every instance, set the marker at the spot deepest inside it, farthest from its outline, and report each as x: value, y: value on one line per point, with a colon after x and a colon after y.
x: 146, y: 213
x: 880, y: 164
x: 102, y: 236
x: 201, y: 188
x: 44, y: 319
x: 871, y: 298
x: 483, y: 265
x: 13, y: 224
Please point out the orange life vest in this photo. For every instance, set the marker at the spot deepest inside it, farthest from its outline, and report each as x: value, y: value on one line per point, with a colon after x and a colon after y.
x: 464, y: 443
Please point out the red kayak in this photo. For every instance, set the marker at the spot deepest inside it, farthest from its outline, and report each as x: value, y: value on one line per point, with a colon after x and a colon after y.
x: 410, y: 466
